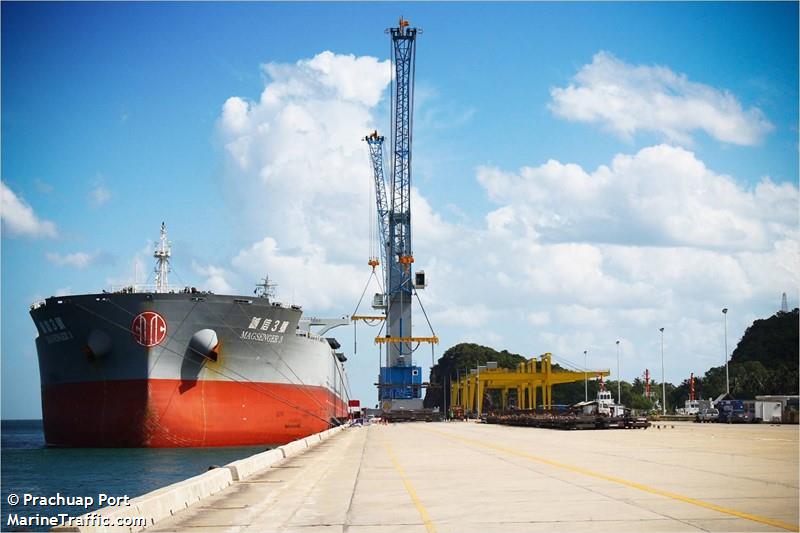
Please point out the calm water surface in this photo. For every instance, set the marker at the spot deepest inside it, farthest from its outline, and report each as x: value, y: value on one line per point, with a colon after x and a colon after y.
x: 28, y: 466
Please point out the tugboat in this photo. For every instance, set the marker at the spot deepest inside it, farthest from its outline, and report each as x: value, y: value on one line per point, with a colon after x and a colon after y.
x: 604, y: 404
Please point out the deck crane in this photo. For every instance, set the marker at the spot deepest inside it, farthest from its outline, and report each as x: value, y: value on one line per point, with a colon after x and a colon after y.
x: 400, y: 382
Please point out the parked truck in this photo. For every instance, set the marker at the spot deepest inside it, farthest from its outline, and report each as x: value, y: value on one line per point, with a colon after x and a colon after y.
x: 731, y: 411
x: 767, y: 411
x: 706, y: 412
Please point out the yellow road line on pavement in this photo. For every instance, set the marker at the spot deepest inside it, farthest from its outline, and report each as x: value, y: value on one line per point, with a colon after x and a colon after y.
x: 580, y: 470
x: 410, y: 489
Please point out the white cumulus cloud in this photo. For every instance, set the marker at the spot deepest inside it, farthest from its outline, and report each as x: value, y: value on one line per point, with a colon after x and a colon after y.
x: 300, y: 173
x: 304, y: 276
x: 19, y: 219
x: 77, y: 259
x: 662, y: 195
x: 296, y: 155
x: 626, y: 99
x: 573, y: 259
x: 216, y: 278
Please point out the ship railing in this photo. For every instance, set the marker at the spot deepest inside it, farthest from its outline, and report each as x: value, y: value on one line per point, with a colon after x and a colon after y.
x: 152, y: 288
x: 312, y: 336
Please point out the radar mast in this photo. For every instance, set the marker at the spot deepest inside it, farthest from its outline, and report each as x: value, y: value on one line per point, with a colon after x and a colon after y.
x: 162, y: 254
x: 265, y: 289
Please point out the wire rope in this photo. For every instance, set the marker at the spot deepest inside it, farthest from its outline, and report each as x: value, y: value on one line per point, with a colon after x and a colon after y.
x: 366, y: 286
x: 419, y: 301
x: 302, y: 388
x: 278, y: 355
x: 244, y: 380
x: 170, y: 337
x: 275, y: 352
x: 569, y: 363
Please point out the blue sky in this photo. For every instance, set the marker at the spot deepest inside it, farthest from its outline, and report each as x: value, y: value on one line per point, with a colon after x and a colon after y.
x: 113, y: 120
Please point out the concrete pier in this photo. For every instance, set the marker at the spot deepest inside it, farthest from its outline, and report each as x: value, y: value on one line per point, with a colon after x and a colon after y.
x: 467, y: 477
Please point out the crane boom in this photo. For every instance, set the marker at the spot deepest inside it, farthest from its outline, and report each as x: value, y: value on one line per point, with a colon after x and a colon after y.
x: 375, y: 143
x: 403, y: 58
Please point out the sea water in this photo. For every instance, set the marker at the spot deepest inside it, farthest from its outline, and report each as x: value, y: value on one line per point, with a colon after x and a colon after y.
x: 69, y: 475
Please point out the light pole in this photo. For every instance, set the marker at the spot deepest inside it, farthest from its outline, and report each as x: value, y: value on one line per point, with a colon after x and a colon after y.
x: 727, y: 385
x: 619, y: 380
x: 663, y: 383
x: 585, y: 376
x: 444, y: 398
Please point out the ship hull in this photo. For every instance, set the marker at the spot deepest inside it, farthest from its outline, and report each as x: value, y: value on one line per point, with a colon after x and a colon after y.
x: 158, y: 413
x: 127, y: 370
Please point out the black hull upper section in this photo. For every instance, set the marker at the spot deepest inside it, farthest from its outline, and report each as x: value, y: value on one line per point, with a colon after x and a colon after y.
x: 182, y: 369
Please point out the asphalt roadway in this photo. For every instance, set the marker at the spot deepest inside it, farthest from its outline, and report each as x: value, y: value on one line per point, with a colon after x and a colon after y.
x: 468, y: 477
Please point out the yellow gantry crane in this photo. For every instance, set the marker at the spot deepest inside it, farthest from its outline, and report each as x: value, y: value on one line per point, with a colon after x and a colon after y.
x: 527, y: 380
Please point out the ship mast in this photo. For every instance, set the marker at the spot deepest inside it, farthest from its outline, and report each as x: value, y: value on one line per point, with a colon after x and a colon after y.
x: 267, y: 288
x: 162, y: 254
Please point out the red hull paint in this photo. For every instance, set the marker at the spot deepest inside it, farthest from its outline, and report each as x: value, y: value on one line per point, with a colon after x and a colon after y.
x: 165, y: 413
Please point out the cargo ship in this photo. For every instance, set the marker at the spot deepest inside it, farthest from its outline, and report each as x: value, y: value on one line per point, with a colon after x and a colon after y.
x: 158, y: 366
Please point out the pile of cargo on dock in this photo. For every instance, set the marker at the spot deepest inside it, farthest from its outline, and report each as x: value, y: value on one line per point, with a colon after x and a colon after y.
x: 567, y: 420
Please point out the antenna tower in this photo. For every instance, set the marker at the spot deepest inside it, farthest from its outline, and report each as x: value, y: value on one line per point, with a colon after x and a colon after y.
x: 265, y: 289
x: 162, y: 254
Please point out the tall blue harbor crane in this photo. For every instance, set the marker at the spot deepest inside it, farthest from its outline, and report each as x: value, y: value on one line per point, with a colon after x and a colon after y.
x: 400, y: 381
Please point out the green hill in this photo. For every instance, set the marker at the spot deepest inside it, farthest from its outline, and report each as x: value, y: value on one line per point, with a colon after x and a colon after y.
x: 771, y: 341
x: 765, y: 361
x: 461, y: 358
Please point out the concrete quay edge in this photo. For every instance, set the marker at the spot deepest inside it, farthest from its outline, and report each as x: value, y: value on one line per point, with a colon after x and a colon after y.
x: 166, y: 501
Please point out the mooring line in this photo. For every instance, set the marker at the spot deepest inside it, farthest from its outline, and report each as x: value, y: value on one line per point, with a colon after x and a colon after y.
x: 632, y: 484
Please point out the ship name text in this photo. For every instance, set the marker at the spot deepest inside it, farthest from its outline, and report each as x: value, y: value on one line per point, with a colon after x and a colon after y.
x: 261, y: 337
x: 265, y: 330
x: 54, y: 330
x: 268, y: 324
